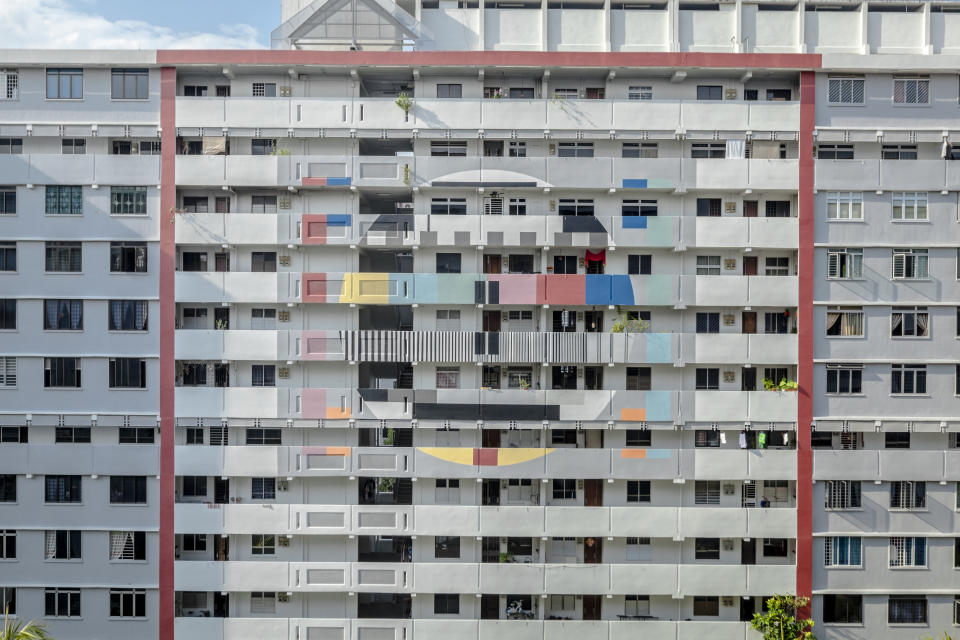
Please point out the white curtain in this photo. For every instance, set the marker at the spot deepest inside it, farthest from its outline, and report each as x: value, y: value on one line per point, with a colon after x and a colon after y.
x: 118, y: 542
x: 736, y: 149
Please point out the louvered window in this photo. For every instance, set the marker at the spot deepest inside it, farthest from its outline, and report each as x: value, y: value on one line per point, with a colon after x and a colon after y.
x: 845, y: 91
x: 845, y: 264
x: 9, y: 84
x: 8, y: 371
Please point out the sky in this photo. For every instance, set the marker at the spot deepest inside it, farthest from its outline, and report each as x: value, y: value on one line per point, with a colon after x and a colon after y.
x: 138, y: 24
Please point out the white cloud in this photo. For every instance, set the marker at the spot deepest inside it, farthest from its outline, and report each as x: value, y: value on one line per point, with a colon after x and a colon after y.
x: 39, y: 24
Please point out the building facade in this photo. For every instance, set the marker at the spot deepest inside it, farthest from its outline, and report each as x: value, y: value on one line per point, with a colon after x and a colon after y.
x: 472, y: 319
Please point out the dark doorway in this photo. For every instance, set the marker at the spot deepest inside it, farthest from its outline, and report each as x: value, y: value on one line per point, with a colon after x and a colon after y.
x: 221, y: 605
x: 750, y: 265
x: 221, y: 318
x: 748, y: 379
x: 750, y: 208
x: 490, y: 438
x: 491, y: 321
x: 222, y: 552
x: 221, y: 491
x: 593, y: 550
x: 749, y: 321
x: 591, y: 607
x: 746, y: 609
x: 593, y: 493
x: 748, y: 551
x: 490, y: 606
x: 491, y: 493
x: 221, y: 262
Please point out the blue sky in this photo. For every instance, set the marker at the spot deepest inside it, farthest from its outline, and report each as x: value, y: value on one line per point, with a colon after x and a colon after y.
x: 144, y: 24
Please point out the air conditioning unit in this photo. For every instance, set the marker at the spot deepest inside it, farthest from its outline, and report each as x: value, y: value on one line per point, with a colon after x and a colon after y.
x: 286, y: 92
x: 493, y: 206
x: 283, y: 541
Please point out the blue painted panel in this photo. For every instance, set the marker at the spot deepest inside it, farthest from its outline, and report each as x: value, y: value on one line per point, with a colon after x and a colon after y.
x: 634, y: 183
x: 658, y: 406
x: 658, y: 347
x: 621, y: 290
x: 634, y: 222
x: 339, y: 182
x: 338, y: 220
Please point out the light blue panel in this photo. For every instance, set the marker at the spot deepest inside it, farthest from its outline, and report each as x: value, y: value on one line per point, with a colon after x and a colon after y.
x: 658, y: 406
x: 425, y: 288
x: 402, y: 288
x: 658, y: 347
x: 456, y: 288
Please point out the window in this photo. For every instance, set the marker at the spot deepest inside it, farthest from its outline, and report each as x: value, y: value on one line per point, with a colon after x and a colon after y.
x: 8, y: 600
x: 575, y: 150
x: 703, y: 150
x: 564, y: 489
x: 446, y: 603
x: 708, y: 265
x: 8, y: 544
x: 834, y: 151
x: 128, y: 603
x: 638, y: 437
x: 845, y: 90
x: 706, y: 438
x: 446, y: 547
x: 907, y: 610
x: 128, y: 200
x: 640, y: 264
x: 60, y: 489
x: 707, y: 548
x: 638, y: 491
x: 14, y: 435
x: 842, y: 494
x: 629, y: 208
x: 911, y: 90
x: 564, y: 265
x: 639, y: 150
x: 706, y: 492
x: 263, y: 602
x: 128, y: 315
x: 263, y: 204
x: 844, y: 379
x: 448, y: 319
x: 263, y: 261
x: 908, y: 378
x: 448, y: 263
x: 72, y: 435
x: 8, y: 487
x: 64, y: 84
x: 61, y: 372
x: 8, y: 201
x: 122, y: 148
x: 909, y: 205
x: 9, y: 85
x: 192, y: 374
x: 63, y: 200
x: 560, y: 603
x: 639, y: 378
x: 778, y: 94
x: 576, y: 207
x: 264, y: 375
x: 62, y: 545
x: 844, y: 205
x: 63, y: 315
x: 128, y: 490
x: 8, y: 313
x: 223, y: 90
x: 448, y: 206
x: 777, y: 209
x: 194, y: 486
x: 130, y: 84
x: 443, y: 148
x: 708, y: 378
x: 264, y: 545
x: 448, y: 491
x: 908, y: 552
x: 136, y: 435
x: 841, y: 551
x: 775, y: 547
x: 263, y: 436
x: 845, y: 264
x: 61, y: 603
x: 448, y: 378
x: 910, y: 264
x: 149, y: 147
x: 520, y: 263
x: 10, y: 146
x: 899, y: 152
x: 517, y: 150
x: 263, y: 488
x: 449, y: 90
x: 128, y: 373
x: 909, y: 322
x: 63, y: 257
x: 709, y: 92
x: 842, y: 609
x: 194, y: 542
x: 775, y: 322
x: 640, y: 92
x: 264, y: 90
x: 708, y: 322
x: 638, y: 549
x: 131, y: 257
x: 777, y: 266
x: 263, y: 318
x: 263, y: 147
x: 908, y: 494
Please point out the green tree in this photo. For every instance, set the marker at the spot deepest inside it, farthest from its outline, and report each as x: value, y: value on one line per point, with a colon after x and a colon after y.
x: 780, y: 621
x: 943, y: 636
x: 14, y: 629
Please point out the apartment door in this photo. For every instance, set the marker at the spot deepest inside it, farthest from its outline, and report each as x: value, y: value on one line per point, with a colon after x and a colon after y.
x: 746, y: 609
x: 592, y: 550
x: 493, y: 148
x: 222, y: 205
x: 222, y: 262
x: 750, y: 265
x: 221, y: 318
x: 593, y: 439
x: 748, y: 379
x: 491, y: 493
x: 491, y: 321
x: 222, y: 552
x: 591, y: 607
x: 748, y: 551
x: 492, y: 263
x: 221, y: 491
x: 595, y: 93
x: 593, y: 493
x: 490, y: 439
x: 750, y: 208
x: 221, y: 605
x: 749, y: 322
x: 490, y: 606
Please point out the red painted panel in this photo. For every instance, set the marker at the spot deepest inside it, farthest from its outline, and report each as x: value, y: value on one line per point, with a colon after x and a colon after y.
x: 168, y: 201
x: 313, y: 182
x: 564, y: 289
x: 485, y: 457
x: 313, y: 287
x: 313, y: 228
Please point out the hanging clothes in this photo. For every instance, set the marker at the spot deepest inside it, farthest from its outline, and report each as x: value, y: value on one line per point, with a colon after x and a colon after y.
x: 723, y: 438
x: 786, y: 438
x: 743, y: 440
x: 736, y: 149
x: 762, y: 440
x: 599, y: 256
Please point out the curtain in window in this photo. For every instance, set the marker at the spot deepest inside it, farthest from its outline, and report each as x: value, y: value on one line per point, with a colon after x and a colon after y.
x: 921, y: 324
x: 897, y: 323
x: 736, y: 149
x: 140, y: 316
x: 833, y: 319
x: 852, y: 324
x: 118, y: 542
x: 50, y: 545
x: 116, y: 314
x: 52, y: 310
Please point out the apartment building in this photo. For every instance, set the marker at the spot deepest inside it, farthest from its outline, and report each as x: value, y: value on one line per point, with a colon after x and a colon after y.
x: 490, y: 325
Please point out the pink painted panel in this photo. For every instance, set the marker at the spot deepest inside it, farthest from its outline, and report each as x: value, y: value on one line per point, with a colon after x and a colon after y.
x: 516, y: 288
x: 564, y: 289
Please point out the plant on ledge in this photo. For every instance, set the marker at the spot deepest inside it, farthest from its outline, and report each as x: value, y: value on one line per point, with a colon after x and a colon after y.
x: 405, y: 103
x: 779, y: 622
x: 623, y: 324
x: 783, y: 385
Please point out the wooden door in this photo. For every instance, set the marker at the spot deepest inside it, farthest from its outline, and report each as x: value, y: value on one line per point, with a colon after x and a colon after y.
x: 489, y: 606
x: 748, y: 551
x: 591, y: 607
x: 749, y: 322
x: 750, y: 265
x: 491, y: 321
x: 490, y: 439
x: 593, y: 493
x: 222, y: 262
x: 593, y: 550
x: 223, y: 548
x: 222, y: 205
x: 748, y: 379
x: 750, y: 208
x: 492, y: 263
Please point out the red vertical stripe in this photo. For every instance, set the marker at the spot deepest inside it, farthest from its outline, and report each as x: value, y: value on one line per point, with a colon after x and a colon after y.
x: 168, y: 201
x: 805, y: 337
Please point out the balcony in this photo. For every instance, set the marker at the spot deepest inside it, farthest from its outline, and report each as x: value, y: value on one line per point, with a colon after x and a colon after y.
x: 232, y: 286
x: 739, y: 291
x: 744, y: 406
x: 738, y: 175
x: 235, y: 170
x: 742, y: 348
x: 233, y: 402
x: 884, y: 465
x: 237, y: 228
x: 259, y: 344
x: 888, y: 175
x: 740, y: 233
x: 83, y: 460
x: 114, y: 170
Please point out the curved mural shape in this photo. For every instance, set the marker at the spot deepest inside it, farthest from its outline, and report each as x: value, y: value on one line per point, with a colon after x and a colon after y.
x: 485, y: 457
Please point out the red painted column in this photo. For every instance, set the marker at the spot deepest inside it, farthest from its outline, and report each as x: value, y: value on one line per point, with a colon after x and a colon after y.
x: 168, y: 201
x: 806, y: 214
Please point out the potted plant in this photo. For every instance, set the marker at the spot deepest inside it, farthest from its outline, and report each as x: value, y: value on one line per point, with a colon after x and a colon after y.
x: 405, y: 103
x: 623, y: 324
x: 783, y: 385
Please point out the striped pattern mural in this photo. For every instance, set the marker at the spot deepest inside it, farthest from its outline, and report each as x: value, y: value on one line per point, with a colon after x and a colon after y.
x: 464, y: 346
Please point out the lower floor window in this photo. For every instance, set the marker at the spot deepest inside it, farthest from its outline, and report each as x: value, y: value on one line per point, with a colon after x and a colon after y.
x: 128, y: 603
x: 263, y: 602
x: 706, y: 606
x: 907, y: 610
x: 62, y: 603
x: 842, y: 609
